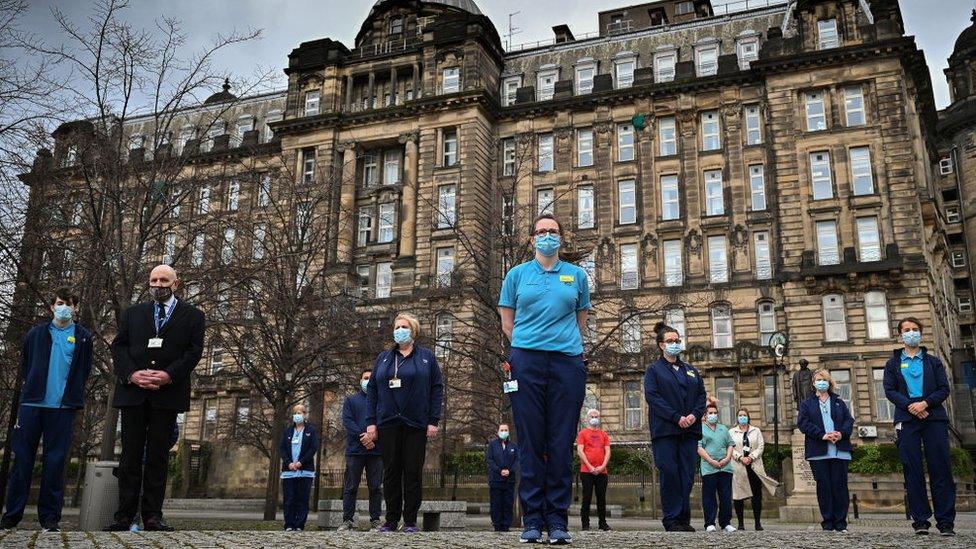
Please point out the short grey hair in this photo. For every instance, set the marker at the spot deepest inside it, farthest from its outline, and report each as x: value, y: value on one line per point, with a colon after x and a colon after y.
x: 592, y: 411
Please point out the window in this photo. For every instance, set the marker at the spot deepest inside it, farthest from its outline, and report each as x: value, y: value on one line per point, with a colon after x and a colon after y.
x: 816, y: 111
x: 624, y: 72
x: 443, y: 336
x: 684, y: 8
x: 546, y: 85
x: 227, y: 250
x: 545, y: 153
x: 676, y: 319
x: 861, y: 171
x: 718, y: 261
x: 625, y: 143
x: 216, y: 360
x: 260, y: 232
x: 764, y: 263
x: 673, y: 272
x: 445, y: 266
x: 446, y: 206
x: 589, y: 266
x: 203, y: 205
x: 835, y: 319
x: 273, y: 116
x: 365, y: 232
x: 748, y: 51
x: 187, y: 133
x: 664, y: 65
x: 584, y: 78
x: 725, y: 393
x: 169, y: 249
x: 668, y: 136
x: 384, y: 279
x: 264, y: 190
x: 769, y: 402
x: 508, y: 215
x: 854, y: 105
x: 827, y: 37
x: 196, y: 257
x: 827, y: 246
x: 244, y: 125
x: 452, y: 80
x: 958, y: 258
x: 670, y: 198
x: 706, y: 60
x: 965, y: 304
x: 508, y: 156
x: 633, y: 395
x: 714, y: 193
x: 233, y: 195
x: 722, y: 327
x: 218, y: 128
x: 946, y: 165
x: 584, y: 147
x: 753, y: 127
x: 312, y: 99
x: 627, y: 195
x: 629, y: 273
x: 308, y: 166
x: 876, y: 313
x: 584, y: 202
x: 868, y: 239
x: 136, y: 142
x: 757, y: 187
x: 362, y: 272
x: 510, y: 88
x: 767, y: 322
x: 209, y: 428
x: 396, y: 25
x: 951, y: 212
x: 371, y: 172
x: 842, y: 378
x: 450, y: 156
x: 78, y: 210
x: 883, y: 408
x: 385, y: 226
x: 630, y: 335
x: 545, y: 201
x: 820, y: 178
x: 710, y: 131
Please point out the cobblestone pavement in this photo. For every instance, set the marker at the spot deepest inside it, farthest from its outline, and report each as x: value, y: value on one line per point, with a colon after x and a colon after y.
x: 487, y: 540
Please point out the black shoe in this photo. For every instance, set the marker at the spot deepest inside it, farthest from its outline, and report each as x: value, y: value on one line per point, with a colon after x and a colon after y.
x: 948, y: 532
x: 921, y: 531
x: 741, y: 527
x: 119, y: 526
x: 605, y: 527
x: 158, y: 526
x: 759, y: 528
x: 50, y: 527
x: 686, y: 528
x: 8, y: 524
x: 585, y: 528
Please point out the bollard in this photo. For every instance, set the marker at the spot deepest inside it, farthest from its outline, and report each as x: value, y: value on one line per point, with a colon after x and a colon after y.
x: 854, y: 505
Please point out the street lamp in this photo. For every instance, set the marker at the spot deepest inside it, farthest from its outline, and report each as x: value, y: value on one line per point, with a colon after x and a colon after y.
x: 779, y: 344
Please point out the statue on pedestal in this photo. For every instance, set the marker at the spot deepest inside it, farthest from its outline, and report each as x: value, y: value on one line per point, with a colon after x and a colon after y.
x: 802, y: 383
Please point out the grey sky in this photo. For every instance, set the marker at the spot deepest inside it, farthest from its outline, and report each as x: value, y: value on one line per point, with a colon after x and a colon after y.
x: 286, y: 23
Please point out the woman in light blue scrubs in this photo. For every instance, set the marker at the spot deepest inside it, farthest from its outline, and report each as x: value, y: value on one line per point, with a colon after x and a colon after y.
x: 298, y: 446
x: 827, y: 423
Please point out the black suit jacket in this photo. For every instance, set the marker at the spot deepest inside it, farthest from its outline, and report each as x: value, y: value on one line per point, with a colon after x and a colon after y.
x: 181, y: 351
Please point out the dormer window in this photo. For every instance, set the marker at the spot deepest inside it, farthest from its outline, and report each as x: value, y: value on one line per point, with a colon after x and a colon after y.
x: 827, y: 36
x: 706, y: 59
x: 510, y: 88
x: 312, y: 100
x: 624, y: 66
x: 244, y: 124
x: 747, y: 49
x: 585, y: 72
x: 273, y: 116
x: 396, y: 25
x: 547, y: 84
x: 664, y: 63
x: 452, y: 80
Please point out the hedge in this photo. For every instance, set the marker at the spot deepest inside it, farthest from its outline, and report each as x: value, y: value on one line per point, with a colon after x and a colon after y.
x: 882, y: 459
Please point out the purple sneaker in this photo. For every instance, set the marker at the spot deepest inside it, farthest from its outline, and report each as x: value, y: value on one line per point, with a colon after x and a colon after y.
x: 410, y: 528
x: 387, y: 528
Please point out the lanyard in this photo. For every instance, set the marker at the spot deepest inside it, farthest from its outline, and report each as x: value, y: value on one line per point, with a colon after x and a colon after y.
x: 160, y: 322
x: 396, y: 364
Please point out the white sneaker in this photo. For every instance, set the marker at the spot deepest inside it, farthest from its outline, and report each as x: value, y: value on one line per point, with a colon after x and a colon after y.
x: 729, y: 528
x: 711, y: 528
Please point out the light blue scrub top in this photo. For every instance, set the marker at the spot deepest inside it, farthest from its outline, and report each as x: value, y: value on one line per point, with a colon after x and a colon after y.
x: 296, y: 450
x: 832, y: 451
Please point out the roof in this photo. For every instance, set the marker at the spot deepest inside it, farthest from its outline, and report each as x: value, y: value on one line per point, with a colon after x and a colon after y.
x: 466, y: 5
x: 967, y: 39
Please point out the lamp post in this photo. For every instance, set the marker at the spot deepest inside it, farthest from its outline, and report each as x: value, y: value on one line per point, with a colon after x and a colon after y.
x: 779, y: 345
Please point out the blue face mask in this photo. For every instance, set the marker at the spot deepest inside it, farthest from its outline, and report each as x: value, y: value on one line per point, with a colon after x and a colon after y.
x: 673, y: 349
x: 743, y: 420
x: 912, y: 338
x: 363, y: 383
x: 402, y: 336
x: 503, y: 435
x: 62, y: 313
x: 548, y: 245
x: 822, y: 385
x: 712, y: 418
x: 298, y: 418
x: 594, y: 421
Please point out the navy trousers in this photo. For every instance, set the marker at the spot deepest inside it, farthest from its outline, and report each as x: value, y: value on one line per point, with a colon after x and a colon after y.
x: 934, y: 436
x: 33, y: 423
x: 546, y: 408
x: 675, y: 458
x: 832, y: 495
x: 717, y: 498
x: 295, y: 494
x: 350, y: 486
x: 502, y: 497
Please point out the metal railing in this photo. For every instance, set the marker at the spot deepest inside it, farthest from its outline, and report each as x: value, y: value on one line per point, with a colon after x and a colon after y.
x: 390, y: 46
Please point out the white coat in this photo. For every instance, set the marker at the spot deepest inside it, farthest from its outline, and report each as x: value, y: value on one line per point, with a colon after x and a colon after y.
x: 740, y: 477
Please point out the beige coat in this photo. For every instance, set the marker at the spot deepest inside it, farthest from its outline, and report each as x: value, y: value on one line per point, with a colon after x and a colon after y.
x: 740, y: 477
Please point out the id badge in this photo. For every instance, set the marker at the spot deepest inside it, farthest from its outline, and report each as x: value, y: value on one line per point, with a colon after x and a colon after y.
x: 395, y: 383
x: 155, y: 343
x: 510, y: 386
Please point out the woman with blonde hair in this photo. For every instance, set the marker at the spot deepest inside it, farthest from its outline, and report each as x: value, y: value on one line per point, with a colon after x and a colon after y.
x: 403, y: 407
x: 298, y: 446
x: 748, y: 472
x: 827, y: 423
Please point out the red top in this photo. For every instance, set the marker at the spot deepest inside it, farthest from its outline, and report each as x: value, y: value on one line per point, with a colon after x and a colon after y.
x: 594, y: 443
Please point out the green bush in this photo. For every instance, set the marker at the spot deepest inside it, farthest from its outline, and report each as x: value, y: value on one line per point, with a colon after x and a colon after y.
x: 882, y: 459
x: 770, y: 463
x: 471, y: 462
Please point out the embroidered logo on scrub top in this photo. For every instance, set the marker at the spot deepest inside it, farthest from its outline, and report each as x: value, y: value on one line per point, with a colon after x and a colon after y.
x: 904, y: 365
x: 71, y: 339
x: 690, y: 373
x: 567, y: 279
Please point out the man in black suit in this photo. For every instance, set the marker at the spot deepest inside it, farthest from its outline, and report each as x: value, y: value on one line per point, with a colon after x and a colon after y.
x: 158, y: 345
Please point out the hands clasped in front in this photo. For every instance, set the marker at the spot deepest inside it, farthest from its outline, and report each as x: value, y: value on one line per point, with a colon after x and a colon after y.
x: 919, y: 409
x: 370, y: 435
x: 150, y: 379
x: 833, y: 436
x: 687, y: 421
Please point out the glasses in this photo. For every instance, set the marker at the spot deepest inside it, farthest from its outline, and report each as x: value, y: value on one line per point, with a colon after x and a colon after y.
x: 544, y: 232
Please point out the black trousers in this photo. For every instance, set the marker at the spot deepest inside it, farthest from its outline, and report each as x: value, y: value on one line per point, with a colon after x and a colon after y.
x: 599, y: 483
x: 502, y: 498
x: 295, y: 494
x: 757, y: 490
x: 403, y: 449
x: 350, y: 485
x: 146, y: 432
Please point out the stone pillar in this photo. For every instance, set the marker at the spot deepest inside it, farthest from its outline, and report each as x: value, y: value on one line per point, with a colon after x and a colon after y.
x: 408, y: 206
x: 801, y: 505
x: 349, y: 92
x: 416, y: 81
x: 371, y: 90
x: 393, y: 86
x: 347, y: 203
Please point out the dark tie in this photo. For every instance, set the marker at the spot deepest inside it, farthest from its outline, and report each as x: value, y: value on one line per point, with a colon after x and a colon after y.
x: 161, y: 317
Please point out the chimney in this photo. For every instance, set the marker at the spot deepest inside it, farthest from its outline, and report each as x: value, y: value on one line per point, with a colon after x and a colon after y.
x: 563, y: 34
